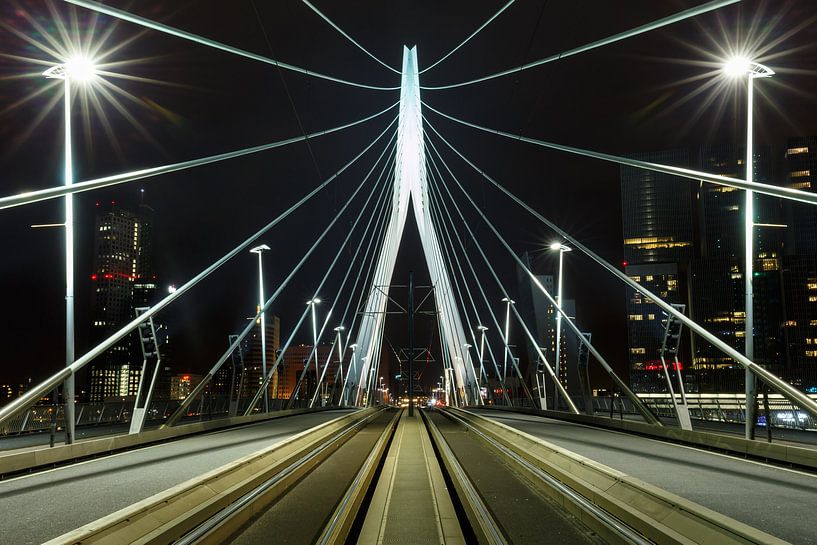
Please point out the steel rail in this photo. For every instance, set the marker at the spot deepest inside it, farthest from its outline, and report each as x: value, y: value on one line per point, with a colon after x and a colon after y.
x: 624, y: 531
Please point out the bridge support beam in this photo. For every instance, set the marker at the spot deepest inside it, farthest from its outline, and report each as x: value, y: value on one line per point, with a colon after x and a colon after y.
x: 410, y: 185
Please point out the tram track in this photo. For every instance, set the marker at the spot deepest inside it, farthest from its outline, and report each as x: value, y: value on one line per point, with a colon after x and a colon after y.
x: 379, y: 476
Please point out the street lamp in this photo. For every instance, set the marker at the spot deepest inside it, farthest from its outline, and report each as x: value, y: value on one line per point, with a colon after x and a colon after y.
x: 259, y: 250
x: 739, y: 67
x: 339, y: 342
x: 482, y: 329
x: 561, y: 248
x: 80, y: 70
x: 507, y: 334
x: 313, y: 303
x: 352, y: 364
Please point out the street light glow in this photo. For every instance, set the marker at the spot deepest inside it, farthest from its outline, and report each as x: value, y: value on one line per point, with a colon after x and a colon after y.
x: 80, y: 69
x: 740, y: 66
x: 737, y: 66
x: 77, y: 68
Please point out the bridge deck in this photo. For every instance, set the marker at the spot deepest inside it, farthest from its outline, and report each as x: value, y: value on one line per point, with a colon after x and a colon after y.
x: 777, y: 500
x: 44, y: 505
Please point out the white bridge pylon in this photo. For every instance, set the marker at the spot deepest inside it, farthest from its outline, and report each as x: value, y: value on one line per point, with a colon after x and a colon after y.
x: 410, y: 185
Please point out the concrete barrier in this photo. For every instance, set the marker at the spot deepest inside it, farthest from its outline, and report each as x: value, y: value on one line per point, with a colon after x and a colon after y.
x: 800, y: 456
x: 655, y: 513
x: 18, y: 462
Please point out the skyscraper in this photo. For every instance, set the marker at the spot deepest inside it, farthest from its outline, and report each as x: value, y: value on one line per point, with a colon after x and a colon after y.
x: 658, y: 227
x: 801, y: 173
x: 656, y: 210
x: 123, y: 279
x: 717, y: 282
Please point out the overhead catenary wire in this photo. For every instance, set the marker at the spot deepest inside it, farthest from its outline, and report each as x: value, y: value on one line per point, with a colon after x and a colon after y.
x: 143, y: 21
x: 468, y: 39
x: 30, y: 197
x: 786, y: 390
x: 766, y: 189
x: 34, y: 394
x: 345, y: 35
x: 236, y: 343
x: 677, y: 17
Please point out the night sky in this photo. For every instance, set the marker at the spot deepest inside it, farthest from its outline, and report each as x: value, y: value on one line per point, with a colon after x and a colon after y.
x: 186, y: 101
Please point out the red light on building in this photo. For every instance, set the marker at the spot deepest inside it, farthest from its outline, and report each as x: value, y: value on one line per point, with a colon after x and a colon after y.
x: 186, y: 378
x: 108, y: 276
x: 93, y: 277
x: 624, y: 263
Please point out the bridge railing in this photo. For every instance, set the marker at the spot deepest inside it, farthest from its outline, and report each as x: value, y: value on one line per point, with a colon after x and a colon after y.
x: 726, y: 408
x: 40, y: 418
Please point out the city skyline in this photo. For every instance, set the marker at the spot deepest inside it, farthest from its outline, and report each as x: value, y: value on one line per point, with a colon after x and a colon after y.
x: 184, y: 214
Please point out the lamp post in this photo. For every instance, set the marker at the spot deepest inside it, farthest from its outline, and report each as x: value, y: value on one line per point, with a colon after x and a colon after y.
x: 467, y: 347
x: 482, y: 330
x: 79, y: 70
x: 339, y: 342
x: 344, y: 397
x: 259, y: 250
x: 507, y: 335
x: 738, y: 67
x: 561, y: 248
x: 313, y: 303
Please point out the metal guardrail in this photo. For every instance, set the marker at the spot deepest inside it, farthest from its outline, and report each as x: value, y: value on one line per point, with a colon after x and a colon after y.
x: 727, y: 408
x: 39, y: 418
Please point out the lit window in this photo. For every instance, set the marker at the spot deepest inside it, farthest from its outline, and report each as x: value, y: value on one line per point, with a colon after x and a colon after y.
x: 796, y: 151
x: 638, y: 350
x: 800, y: 173
x: 651, y: 316
x: 636, y: 317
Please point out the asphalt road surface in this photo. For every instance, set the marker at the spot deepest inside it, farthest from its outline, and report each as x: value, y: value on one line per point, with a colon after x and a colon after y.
x: 41, y: 506
x: 780, y: 501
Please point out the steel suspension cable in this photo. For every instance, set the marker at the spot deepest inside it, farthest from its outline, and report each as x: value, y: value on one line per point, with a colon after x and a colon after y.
x: 645, y: 412
x: 380, y: 238
x: 346, y: 276
x: 153, y: 25
x: 442, y: 204
x: 88, y: 185
x: 680, y: 16
x: 446, y: 266
x: 33, y: 395
x: 466, y: 40
x: 235, y: 344
x: 382, y: 206
x: 453, y: 253
x: 345, y: 35
x: 786, y: 390
x: 767, y: 189
x: 525, y: 328
x: 260, y: 392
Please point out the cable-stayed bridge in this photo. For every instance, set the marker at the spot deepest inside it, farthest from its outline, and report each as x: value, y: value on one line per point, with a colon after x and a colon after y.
x: 369, y: 472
